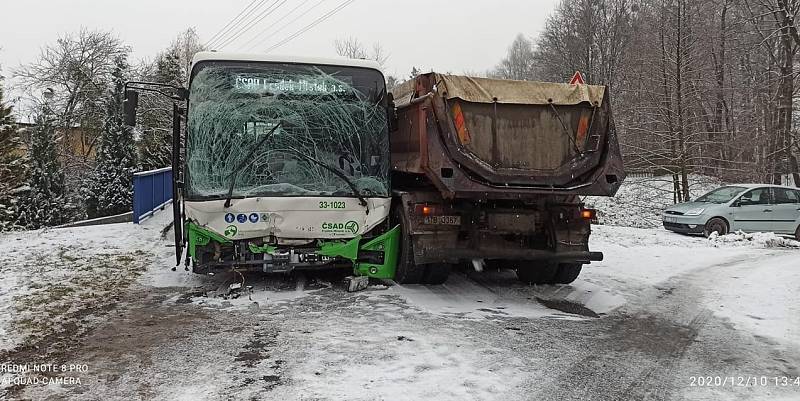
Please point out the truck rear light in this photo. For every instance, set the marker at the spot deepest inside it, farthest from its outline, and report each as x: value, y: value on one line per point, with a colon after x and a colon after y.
x: 589, y: 214
x: 427, y: 210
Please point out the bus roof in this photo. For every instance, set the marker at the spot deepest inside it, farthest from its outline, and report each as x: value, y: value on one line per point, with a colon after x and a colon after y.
x: 225, y: 56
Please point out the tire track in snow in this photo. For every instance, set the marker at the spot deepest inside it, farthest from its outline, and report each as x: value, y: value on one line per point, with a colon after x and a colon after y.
x: 655, y: 343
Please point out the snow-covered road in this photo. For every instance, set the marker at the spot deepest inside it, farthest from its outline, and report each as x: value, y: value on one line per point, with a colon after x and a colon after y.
x: 658, y: 312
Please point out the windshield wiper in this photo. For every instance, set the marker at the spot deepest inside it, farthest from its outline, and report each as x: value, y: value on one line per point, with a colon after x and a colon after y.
x: 362, y: 200
x: 245, y: 161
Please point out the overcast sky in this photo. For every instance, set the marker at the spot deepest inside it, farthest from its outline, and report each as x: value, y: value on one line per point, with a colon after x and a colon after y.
x: 448, y: 36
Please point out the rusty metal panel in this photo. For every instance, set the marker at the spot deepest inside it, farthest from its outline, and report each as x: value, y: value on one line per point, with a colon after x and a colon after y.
x: 513, y: 222
x: 505, y: 151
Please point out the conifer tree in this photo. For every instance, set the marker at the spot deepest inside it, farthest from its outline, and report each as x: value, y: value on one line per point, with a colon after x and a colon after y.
x: 109, y: 188
x: 46, y: 203
x: 12, y: 166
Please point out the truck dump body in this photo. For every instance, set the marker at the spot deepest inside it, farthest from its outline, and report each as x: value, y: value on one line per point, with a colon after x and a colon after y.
x: 490, y: 138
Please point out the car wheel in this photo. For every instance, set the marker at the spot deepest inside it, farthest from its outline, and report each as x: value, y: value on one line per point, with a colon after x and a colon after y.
x: 797, y: 233
x: 716, y: 224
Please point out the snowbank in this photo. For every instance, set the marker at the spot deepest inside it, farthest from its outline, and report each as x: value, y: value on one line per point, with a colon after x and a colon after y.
x: 640, y: 201
x: 758, y: 240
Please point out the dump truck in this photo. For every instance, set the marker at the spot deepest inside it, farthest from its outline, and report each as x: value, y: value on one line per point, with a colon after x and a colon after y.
x: 491, y: 172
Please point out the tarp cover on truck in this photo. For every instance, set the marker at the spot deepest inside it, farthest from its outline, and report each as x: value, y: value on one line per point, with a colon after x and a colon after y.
x: 486, y: 90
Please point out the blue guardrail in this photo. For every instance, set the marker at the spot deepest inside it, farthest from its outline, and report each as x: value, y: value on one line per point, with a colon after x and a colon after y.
x: 152, y: 190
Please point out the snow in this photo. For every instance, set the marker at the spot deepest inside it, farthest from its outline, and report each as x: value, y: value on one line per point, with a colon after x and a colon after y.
x: 755, y: 276
x: 449, y: 342
x: 442, y: 365
x: 498, y: 294
x: 759, y: 240
x: 40, y: 267
x: 760, y: 298
x: 640, y: 201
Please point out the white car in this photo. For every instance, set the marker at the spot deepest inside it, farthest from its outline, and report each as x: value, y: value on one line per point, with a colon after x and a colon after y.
x: 745, y: 207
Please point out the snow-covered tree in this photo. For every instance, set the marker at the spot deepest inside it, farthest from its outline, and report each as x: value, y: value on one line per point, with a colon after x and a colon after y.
x: 12, y: 166
x: 109, y: 190
x: 46, y: 203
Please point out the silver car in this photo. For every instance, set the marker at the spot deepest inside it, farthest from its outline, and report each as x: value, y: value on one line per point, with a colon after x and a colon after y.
x: 746, y: 207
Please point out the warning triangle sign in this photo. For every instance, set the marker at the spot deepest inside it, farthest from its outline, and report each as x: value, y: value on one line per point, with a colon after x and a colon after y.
x: 577, y: 78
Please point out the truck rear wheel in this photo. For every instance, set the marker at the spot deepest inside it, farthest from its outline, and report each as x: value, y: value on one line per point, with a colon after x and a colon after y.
x: 436, y: 273
x: 406, y: 271
x: 567, y: 273
x: 539, y: 273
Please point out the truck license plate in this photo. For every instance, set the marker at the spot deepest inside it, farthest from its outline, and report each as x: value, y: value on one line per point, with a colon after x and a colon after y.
x: 443, y: 220
x: 669, y: 219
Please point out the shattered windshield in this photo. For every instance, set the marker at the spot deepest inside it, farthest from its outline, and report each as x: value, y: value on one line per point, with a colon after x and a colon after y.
x: 327, y: 118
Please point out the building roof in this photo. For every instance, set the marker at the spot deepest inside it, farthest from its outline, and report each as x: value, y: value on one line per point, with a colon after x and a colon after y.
x: 225, y: 56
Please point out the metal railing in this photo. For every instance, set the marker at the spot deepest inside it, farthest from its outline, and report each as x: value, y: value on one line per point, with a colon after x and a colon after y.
x: 152, y: 190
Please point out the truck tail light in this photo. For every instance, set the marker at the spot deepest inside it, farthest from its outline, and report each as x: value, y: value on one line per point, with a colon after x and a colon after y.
x: 589, y: 214
x: 424, y: 209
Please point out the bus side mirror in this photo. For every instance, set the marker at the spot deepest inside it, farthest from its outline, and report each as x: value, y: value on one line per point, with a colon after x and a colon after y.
x: 129, y: 107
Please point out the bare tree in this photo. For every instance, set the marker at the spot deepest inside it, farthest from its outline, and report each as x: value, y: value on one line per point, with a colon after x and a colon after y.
x: 351, y: 47
x: 592, y: 36
x: 171, y: 66
x: 519, y: 61
x: 186, y: 45
x: 75, y: 72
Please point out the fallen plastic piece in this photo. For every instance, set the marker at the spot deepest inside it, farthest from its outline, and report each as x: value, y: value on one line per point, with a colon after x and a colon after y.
x: 356, y: 283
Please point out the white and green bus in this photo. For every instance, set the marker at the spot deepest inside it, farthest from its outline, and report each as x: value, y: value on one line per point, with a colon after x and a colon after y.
x: 282, y: 164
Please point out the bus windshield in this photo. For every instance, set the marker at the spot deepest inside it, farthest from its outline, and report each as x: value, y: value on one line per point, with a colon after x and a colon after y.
x: 299, y: 124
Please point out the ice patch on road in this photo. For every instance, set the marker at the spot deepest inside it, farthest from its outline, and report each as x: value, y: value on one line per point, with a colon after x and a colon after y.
x: 757, y: 240
x: 594, y: 297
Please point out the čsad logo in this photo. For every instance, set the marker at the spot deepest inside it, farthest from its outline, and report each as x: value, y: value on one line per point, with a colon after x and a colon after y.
x: 351, y: 226
x: 231, y: 231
